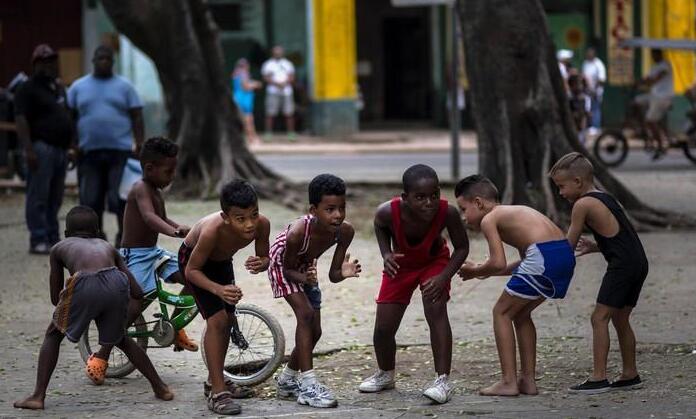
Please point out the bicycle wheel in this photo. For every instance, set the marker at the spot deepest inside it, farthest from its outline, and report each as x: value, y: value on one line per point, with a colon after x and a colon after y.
x: 256, y: 349
x: 611, y: 148
x: 119, y: 364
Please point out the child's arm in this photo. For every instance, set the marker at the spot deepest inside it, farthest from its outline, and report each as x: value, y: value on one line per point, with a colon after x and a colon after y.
x: 57, y: 279
x: 231, y: 294
x: 136, y: 292
x: 259, y: 263
x: 341, y: 265
x: 143, y: 198
x: 383, y: 233
x: 496, y: 260
x: 291, y: 260
x: 578, y: 218
x: 435, y: 286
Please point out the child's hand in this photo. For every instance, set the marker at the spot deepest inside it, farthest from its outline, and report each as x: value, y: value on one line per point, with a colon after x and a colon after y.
x: 466, y: 272
x: 256, y: 264
x: 182, y: 231
x: 391, y: 267
x: 311, y: 277
x: 585, y: 246
x: 434, y: 289
x: 231, y: 294
x: 350, y: 269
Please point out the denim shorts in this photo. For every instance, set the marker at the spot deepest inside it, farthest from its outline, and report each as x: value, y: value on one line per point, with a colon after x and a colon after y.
x: 313, y: 294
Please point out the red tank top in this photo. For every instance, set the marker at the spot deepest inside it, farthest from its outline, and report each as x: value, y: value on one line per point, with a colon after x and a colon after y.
x: 420, y: 255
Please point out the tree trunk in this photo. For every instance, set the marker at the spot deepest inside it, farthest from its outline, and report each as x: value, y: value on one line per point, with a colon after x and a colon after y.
x: 521, y: 111
x: 181, y: 38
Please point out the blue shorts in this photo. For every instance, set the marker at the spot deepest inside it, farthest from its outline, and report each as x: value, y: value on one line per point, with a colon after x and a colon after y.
x: 545, y: 271
x: 313, y: 294
x: 142, y: 261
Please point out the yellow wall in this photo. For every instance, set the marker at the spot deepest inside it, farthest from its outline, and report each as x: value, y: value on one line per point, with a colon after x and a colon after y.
x: 334, y: 50
x: 672, y: 19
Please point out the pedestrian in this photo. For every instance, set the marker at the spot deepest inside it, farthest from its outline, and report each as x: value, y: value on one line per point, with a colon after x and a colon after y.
x: 293, y: 275
x: 545, y: 271
x: 110, y: 128
x: 595, y: 75
x: 243, y: 87
x: 657, y: 102
x: 279, y: 75
x: 627, y: 269
x: 45, y: 129
x: 580, y: 105
x: 564, y: 65
x: 409, y: 233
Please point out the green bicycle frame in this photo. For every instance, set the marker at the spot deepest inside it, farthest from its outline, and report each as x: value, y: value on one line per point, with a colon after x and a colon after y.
x: 164, y: 298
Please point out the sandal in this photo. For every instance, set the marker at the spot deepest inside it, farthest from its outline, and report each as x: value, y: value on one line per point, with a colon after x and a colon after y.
x: 96, y: 369
x: 236, y: 391
x: 183, y: 342
x: 222, y: 404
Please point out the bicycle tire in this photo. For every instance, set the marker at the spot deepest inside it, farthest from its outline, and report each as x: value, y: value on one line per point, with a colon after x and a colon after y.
x: 124, y: 369
x: 618, y: 149
x: 267, y: 370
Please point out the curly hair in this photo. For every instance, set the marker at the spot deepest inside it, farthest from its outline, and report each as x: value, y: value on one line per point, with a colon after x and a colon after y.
x: 325, y: 184
x: 237, y: 193
x: 415, y: 173
x: 156, y: 149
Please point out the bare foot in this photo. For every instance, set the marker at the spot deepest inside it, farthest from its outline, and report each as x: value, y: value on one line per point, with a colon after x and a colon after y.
x: 500, y: 389
x: 31, y: 402
x: 527, y: 386
x: 163, y: 393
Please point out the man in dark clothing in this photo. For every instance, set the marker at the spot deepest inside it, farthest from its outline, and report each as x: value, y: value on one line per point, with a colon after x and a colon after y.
x: 45, y: 129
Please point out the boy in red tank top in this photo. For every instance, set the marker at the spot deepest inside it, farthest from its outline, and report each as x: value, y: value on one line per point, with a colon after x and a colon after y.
x: 409, y: 233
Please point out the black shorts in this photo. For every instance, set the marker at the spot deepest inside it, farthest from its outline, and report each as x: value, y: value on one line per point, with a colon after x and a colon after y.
x: 621, y: 286
x: 220, y: 272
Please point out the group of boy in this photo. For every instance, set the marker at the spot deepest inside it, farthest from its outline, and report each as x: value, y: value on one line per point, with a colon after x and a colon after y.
x: 107, y: 286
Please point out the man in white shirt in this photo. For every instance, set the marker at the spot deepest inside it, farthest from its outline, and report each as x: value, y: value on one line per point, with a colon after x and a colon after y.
x: 595, y: 75
x: 279, y: 74
x: 658, y: 100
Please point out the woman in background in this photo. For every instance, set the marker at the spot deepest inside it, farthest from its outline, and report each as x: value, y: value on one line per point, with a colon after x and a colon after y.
x: 243, y: 87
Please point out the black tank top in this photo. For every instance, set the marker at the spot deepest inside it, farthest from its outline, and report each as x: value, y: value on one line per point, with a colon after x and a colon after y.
x: 624, y: 250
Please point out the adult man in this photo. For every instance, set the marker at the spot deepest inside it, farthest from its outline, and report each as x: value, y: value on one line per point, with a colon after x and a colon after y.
x: 279, y: 74
x: 45, y: 129
x: 658, y: 100
x: 595, y: 75
x: 109, y: 114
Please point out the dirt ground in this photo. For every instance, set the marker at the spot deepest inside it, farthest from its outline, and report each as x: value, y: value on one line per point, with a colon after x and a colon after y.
x: 663, y: 320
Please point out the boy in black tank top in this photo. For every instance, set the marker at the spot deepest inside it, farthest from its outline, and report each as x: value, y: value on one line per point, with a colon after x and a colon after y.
x: 627, y: 268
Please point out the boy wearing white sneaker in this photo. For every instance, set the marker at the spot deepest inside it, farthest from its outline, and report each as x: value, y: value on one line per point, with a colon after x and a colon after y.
x: 409, y: 232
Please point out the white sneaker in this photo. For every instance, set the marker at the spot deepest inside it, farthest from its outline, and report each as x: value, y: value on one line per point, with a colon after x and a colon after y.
x: 316, y: 394
x: 381, y: 380
x: 440, y: 391
x: 287, y: 387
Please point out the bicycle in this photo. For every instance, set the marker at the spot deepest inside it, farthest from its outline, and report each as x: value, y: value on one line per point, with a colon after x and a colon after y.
x: 611, y: 147
x: 257, y: 341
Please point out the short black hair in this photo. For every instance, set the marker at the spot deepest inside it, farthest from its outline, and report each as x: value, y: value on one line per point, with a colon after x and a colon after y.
x: 237, y: 193
x: 476, y: 185
x: 103, y: 49
x: 416, y: 173
x: 325, y: 184
x: 81, y: 220
x: 156, y: 149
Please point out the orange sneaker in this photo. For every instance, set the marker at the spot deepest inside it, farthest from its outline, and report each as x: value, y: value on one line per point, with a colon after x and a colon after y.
x: 96, y: 369
x: 183, y: 342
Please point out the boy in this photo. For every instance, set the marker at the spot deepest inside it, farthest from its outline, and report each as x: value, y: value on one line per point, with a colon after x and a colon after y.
x: 544, y: 271
x: 626, y: 271
x: 144, y: 219
x: 205, y: 257
x: 98, y: 289
x: 293, y: 275
x: 409, y: 233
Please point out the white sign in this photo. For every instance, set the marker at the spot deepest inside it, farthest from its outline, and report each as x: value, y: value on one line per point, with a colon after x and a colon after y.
x: 415, y: 3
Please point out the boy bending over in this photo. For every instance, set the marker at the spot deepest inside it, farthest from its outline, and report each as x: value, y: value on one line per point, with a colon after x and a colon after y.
x: 409, y: 233
x: 293, y: 275
x: 98, y: 289
x: 626, y: 271
x: 544, y: 271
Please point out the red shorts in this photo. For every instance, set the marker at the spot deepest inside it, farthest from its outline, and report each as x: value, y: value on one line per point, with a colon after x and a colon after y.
x: 399, y: 289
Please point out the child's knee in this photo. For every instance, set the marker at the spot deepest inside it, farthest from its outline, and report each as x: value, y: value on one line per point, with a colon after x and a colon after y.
x: 218, y: 322
x: 600, y: 318
x: 305, y: 317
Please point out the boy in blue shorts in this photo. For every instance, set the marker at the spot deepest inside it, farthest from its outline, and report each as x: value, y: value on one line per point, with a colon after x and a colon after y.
x: 544, y: 271
x: 145, y: 218
x: 626, y: 271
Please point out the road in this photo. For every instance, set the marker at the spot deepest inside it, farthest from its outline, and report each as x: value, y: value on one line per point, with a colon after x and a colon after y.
x: 389, y: 167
